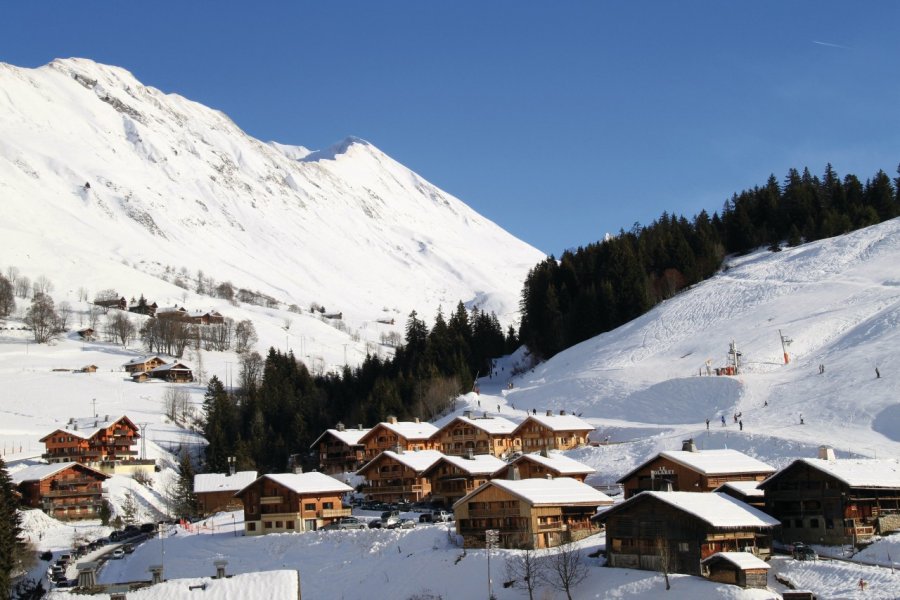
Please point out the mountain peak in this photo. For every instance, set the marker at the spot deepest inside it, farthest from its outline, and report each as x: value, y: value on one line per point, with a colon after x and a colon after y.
x: 345, y: 146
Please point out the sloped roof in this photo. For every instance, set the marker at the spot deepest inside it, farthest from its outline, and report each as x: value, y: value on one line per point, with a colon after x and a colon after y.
x: 559, y: 422
x: 223, y: 482
x: 557, y: 461
x: 746, y: 488
x: 742, y: 560
x: 491, y: 425
x: 716, y: 509
x: 351, y: 437
x: 561, y: 491
x: 407, y: 429
x: 176, y: 366
x: 86, y: 427
x: 41, y: 472
x: 418, y: 461
x: 142, y: 359
x: 479, y: 464
x: 709, y: 462
x: 306, y: 483
x: 854, y: 472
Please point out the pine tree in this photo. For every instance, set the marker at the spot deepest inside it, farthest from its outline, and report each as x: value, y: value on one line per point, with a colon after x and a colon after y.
x: 183, y: 499
x: 11, y: 543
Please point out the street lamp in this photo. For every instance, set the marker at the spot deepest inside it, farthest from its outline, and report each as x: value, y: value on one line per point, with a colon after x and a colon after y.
x: 491, y: 538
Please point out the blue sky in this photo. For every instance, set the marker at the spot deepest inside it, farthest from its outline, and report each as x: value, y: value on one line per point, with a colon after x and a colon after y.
x: 560, y: 121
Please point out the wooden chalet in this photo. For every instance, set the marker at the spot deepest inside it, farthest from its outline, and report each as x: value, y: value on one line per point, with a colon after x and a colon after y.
x: 747, y: 492
x: 393, y: 434
x: 835, y: 501
x: 215, y: 492
x: 340, y: 450
x: 543, y: 464
x: 172, y: 312
x: 685, y: 528
x: 397, y: 476
x: 172, y: 372
x: 87, y: 369
x: 86, y: 334
x: 141, y: 307
x: 120, y: 303
x: 557, y: 432
x: 693, y: 470
x: 92, y: 441
x: 479, y: 435
x: 209, y: 317
x: 737, y: 568
x: 65, y: 491
x: 452, y: 477
x: 282, y: 502
x: 529, y: 513
x: 142, y: 364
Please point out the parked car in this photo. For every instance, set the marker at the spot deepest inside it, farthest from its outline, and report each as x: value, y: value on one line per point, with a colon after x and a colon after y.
x: 118, y: 553
x: 148, y: 527
x: 46, y: 555
x: 803, y: 552
x: 375, y: 524
x: 407, y: 524
x: 441, y: 516
x: 127, y: 548
x: 390, y: 517
x: 425, y: 518
x: 345, y: 523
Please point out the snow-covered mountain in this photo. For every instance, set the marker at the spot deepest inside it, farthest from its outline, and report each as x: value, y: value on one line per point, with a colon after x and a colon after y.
x: 101, y: 175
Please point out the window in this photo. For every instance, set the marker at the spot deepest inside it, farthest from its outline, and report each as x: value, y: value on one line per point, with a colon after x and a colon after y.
x: 278, y: 524
x: 309, y: 506
x: 288, y: 524
x: 267, y: 524
x: 683, y: 547
x: 814, y: 523
x: 328, y: 505
x: 829, y: 523
x: 251, y: 526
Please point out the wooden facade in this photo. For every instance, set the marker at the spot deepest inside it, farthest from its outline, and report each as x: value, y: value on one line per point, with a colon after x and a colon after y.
x: 653, y: 527
x: 92, y: 441
x: 817, y: 503
x: 275, y: 504
x: 736, y: 568
x: 556, y: 432
x: 452, y: 477
x: 396, y: 477
x: 406, y: 436
x: 542, y: 465
x: 140, y: 365
x: 339, y: 449
x: 215, y: 492
x: 65, y: 491
x: 475, y: 435
x: 524, y: 522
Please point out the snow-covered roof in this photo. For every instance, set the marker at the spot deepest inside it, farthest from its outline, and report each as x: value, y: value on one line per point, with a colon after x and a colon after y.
x: 176, y: 366
x: 479, y: 464
x: 716, y: 509
x: 855, y: 472
x: 417, y: 460
x: 351, y: 437
x: 86, y: 427
x: 556, y: 461
x: 559, y: 422
x: 306, y: 483
x: 411, y: 430
x: 745, y: 488
x: 142, y: 359
x: 539, y: 491
x: 249, y: 586
x: 39, y: 472
x: 710, y: 462
x: 742, y: 560
x: 223, y: 482
x: 491, y: 425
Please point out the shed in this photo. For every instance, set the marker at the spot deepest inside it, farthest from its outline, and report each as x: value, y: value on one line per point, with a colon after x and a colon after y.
x: 737, y: 568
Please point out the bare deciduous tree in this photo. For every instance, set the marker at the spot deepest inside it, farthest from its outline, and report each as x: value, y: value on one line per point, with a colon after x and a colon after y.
x: 664, y: 558
x: 251, y: 371
x: 94, y: 313
x: 7, y: 297
x: 42, y: 318
x: 12, y: 273
x: 43, y: 285
x: 244, y: 336
x: 119, y: 328
x: 435, y: 395
x: 23, y: 286
x: 63, y: 311
x: 177, y: 402
x: 565, y: 569
x: 524, y: 570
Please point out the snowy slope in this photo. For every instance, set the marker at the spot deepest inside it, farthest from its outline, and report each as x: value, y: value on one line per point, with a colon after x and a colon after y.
x: 174, y: 183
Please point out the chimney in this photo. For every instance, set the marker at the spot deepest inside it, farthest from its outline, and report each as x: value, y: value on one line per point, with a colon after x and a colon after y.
x: 156, y: 574
x: 549, y: 476
x: 562, y: 413
x: 467, y: 414
x: 106, y: 418
x: 544, y: 452
x: 416, y: 419
x: 513, y: 473
x: 392, y: 419
x: 220, y: 568
x: 359, y: 426
x: 826, y: 453
x: 688, y: 445
x: 470, y: 454
x: 398, y: 449
x: 339, y: 426
x: 549, y: 413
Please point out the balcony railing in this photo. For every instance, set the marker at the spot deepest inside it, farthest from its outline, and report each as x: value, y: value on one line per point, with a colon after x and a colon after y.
x: 71, y: 493
x: 333, y: 513
x: 549, y: 526
x: 495, y: 512
x: 271, y: 500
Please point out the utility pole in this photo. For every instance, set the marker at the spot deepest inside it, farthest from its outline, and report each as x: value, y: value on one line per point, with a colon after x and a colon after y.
x: 143, y: 427
x: 491, y: 538
x: 94, y: 404
x: 785, y: 342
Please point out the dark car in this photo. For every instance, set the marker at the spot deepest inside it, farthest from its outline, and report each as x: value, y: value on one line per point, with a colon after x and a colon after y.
x: 426, y: 518
x: 46, y: 555
x: 375, y: 524
x: 148, y: 527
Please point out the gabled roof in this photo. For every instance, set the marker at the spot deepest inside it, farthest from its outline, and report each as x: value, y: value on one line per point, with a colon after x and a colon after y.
x: 479, y: 464
x: 709, y: 462
x: 176, y: 366
x: 87, y: 427
x: 305, y: 483
x: 418, y: 460
x: 41, y: 472
x: 742, y: 560
x: 351, y: 437
x: 223, y: 482
x: 717, y: 510
x: 407, y: 429
x: 556, y: 461
x: 141, y: 360
x: 558, y: 422
x: 854, y: 472
x: 749, y: 489
x: 490, y: 425
x: 561, y: 491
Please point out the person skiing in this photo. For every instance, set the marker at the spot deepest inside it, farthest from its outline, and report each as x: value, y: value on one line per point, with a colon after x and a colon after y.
x: 723, y: 420
x: 707, y: 424
x: 741, y: 423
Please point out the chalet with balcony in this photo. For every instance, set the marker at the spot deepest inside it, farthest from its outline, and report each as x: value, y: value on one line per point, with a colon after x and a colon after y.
x: 172, y: 312
x: 100, y: 442
x: 529, y: 513
x: 747, y: 492
x: 835, y: 501
x: 543, y: 464
x: 550, y: 431
x: 206, y: 317
x: 142, y: 307
x: 395, y: 476
x: 66, y: 491
x: 476, y: 435
x: 693, y: 470
x: 117, y: 303
x: 143, y: 364
x: 392, y: 434
x: 340, y: 449
x: 215, y: 492
x: 290, y: 502
x: 173, y: 373
x: 684, y: 528
x: 452, y: 477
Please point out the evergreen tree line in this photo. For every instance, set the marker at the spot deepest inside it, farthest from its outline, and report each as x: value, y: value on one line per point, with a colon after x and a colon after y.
x: 603, y: 285
x: 279, y: 408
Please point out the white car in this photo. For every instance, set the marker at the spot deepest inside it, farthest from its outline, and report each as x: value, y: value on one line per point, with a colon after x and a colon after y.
x: 118, y: 553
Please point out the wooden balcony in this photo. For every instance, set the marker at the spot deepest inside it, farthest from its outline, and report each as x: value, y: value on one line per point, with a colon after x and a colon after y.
x: 493, y: 513
x: 71, y: 493
x: 333, y: 513
x: 271, y: 500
